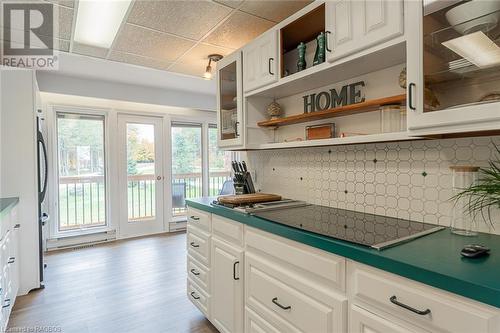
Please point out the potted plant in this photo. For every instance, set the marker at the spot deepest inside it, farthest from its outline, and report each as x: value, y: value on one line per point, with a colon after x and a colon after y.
x: 484, y: 195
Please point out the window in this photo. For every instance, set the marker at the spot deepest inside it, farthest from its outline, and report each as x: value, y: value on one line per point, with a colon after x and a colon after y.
x: 219, y: 163
x: 186, y: 165
x: 81, y: 168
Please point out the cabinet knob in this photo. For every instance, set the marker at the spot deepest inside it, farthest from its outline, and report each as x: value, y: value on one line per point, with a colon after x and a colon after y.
x: 193, y: 295
x: 193, y: 244
x: 195, y: 272
x: 194, y: 218
x: 6, y: 303
x: 11, y: 260
x: 17, y: 226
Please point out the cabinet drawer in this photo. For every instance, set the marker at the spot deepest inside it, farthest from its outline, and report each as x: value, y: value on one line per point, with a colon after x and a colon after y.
x: 227, y: 229
x: 198, y: 245
x: 275, y: 292
x: 198, y: 297
x: 199, y: 218
x: 362, y: 321
x: 256, y: 324
x: 439, y: 310
x: 307, y: 260
x: 199, y: 274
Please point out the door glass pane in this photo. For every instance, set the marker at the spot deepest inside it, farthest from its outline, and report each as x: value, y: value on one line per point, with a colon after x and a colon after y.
x: 81, y: 164
x: 228, y: 105
x: 461, y: 54
x: 219, y: 165
x: 186, y: 165
x: 141, y: 171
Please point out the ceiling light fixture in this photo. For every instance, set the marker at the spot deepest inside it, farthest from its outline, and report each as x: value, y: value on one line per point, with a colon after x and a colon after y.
x: 98, y: 21
x: 476, y: 48
x: 208, y: 70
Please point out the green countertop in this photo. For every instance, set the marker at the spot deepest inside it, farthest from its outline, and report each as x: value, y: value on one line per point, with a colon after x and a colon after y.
x: 434, y: 259
x: 6, y: 205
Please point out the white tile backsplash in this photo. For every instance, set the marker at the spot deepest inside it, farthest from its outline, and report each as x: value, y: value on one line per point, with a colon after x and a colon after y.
x: 410, y: 180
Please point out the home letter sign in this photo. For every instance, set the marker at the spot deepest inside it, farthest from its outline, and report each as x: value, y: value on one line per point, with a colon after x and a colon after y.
x: 349, y: 94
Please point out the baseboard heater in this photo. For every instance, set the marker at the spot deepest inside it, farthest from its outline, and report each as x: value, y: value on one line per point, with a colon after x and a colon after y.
x: 177, y: 225
x: 68, y: 242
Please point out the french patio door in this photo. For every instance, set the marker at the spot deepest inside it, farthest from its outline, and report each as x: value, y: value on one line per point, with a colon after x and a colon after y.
x: 141, y: 177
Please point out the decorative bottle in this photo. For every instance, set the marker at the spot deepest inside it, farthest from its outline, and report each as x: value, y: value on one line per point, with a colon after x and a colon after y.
x: 301, y: 63
x: 319, y: 55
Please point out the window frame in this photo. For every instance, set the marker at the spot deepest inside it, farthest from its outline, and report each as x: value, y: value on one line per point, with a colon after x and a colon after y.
x: 54, y: 231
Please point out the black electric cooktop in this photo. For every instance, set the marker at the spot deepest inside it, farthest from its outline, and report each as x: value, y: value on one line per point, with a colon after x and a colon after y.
x: 371, y: 230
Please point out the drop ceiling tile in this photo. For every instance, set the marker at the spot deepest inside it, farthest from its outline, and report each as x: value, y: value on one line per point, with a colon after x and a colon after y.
x: 65, y: 22
x: 230, y: 3
x: 238, y: 30
x: 138, y: 60
x: 274, y: 10
x: 196, y: 60
x: 89, y: 50
x: 190, y: 19
x: 149, y: 43
x: 66, y: 3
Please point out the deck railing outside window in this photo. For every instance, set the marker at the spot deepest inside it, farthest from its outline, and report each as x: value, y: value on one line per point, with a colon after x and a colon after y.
x: 82, y: 198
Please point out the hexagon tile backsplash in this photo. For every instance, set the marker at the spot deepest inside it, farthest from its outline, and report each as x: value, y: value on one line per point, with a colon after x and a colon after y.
x: 410, y: 180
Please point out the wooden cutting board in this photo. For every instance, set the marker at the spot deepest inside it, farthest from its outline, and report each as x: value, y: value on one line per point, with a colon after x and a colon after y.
x: 245, y: 199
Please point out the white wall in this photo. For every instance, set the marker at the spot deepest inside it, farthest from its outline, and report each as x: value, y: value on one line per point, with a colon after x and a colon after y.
x: 54, y: 82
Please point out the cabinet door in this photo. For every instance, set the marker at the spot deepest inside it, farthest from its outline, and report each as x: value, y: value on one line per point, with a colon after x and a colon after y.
x: 339, y: 29
x: 453, y: 64
x: 362, y: 321
x: 260, y: 61
x: 357, y: 25
x: 230, y: 101
x: 227, y: 286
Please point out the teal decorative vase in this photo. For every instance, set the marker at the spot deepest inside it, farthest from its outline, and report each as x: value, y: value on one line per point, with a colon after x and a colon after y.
x: 319, y: 55
x: 301, y: 63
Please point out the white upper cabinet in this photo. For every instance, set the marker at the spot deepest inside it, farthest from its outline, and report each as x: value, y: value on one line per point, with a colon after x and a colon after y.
x: 230, y: 101
x: 453, y: 74
x: 260, y: 61
x: 355, y: 25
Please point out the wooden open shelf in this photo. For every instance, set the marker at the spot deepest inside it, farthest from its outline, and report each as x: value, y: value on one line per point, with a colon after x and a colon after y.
x: 367, y: 106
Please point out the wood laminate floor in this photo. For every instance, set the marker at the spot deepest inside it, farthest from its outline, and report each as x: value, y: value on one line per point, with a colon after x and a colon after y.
x: 136, y: 285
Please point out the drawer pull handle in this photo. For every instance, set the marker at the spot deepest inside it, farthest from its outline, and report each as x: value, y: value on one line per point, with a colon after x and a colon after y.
x: 269, y: 66
x: 193, y: 295
x: 17, y: 226
x: 193, y: 244
x: 6, y: 303
x: 194, y: 218
x: 326, y: 41
x: 195, y: 272
x: 394, y: 300
x: 234, y: 271
x: 275, y: 301
x: 11, y: 260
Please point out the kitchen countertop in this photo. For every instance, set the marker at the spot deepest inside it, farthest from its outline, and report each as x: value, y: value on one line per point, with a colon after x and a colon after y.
x: 434, y: 259
x: 6, y: 205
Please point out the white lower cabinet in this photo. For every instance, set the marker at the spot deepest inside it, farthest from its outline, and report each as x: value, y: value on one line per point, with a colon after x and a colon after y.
x: 362, y: 321
x: 227, y: 286
x: 247, y: 280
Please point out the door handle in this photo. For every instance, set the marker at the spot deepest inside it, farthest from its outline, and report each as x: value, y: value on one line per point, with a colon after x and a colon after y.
x: 193, y: 244
x: 269, y: 65
x: 275, y: 301
x: 326, y: 40
x: 411, y: 86
x: 234, y: 271
x: 194, y: 272
x: 394, y: 300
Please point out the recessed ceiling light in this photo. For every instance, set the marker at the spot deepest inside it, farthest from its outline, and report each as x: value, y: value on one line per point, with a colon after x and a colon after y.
x: 476, y: 48
x: 98, y: 21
